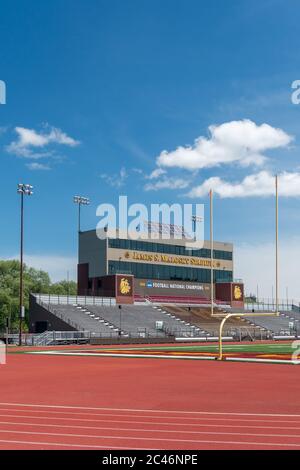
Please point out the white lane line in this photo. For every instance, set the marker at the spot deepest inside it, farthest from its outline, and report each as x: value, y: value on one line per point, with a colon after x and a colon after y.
x: 178, y: 431
x: 140, y: 422
x: 109, y: 415
x: 136, y: 410
x: 56, y: 444
x: 201, y: 347
x: 132, y: 356
x: 126, y: 438
x: 136, y: 438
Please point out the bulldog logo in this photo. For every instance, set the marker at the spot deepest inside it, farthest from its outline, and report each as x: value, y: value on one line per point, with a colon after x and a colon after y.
x: 238, y: 294
x: 125, y: 287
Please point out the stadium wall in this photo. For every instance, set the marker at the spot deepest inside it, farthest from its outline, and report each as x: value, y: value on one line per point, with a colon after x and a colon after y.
x: 40, y: 319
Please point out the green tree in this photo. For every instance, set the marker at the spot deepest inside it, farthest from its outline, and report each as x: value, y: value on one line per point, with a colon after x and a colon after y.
x: 35, y: 281
x: 64, y: 288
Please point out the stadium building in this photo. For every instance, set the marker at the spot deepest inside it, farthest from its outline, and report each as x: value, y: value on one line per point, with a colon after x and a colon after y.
x: 116, y: 265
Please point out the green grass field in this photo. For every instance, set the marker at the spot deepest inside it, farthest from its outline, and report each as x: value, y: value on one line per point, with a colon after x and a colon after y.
x: 261, y: 348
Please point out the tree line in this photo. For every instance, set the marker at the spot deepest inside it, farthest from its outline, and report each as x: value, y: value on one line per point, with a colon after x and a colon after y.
x: 35, y: 281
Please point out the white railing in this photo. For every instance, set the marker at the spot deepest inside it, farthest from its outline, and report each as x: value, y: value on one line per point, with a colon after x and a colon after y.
x: 49, y: 338
x: 270, y: 305
x: 50, y: 299
x: 44, y: 339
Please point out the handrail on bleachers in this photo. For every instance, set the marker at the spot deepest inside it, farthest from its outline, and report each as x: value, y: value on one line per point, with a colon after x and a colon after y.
x: 51, y: 299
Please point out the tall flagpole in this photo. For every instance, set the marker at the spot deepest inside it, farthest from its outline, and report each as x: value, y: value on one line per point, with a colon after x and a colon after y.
x: 211, y: 195
x: 277, y: 258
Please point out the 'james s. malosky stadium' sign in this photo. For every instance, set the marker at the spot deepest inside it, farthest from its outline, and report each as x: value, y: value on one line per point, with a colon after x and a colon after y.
x: 181, y: 260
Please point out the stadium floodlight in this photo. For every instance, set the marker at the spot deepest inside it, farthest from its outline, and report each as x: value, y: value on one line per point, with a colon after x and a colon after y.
x: 81, y: 201
x: 176, y: 232
x: 84, y: 201
x: 23, y: 190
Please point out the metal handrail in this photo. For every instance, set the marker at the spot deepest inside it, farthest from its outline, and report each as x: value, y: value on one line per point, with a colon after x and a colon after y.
x: 51, y: 299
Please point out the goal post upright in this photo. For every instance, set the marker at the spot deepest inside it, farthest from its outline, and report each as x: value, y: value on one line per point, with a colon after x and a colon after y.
x: 227, y: 316
x: 239, y: 315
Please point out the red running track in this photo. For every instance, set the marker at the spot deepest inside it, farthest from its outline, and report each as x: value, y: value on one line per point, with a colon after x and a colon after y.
x: 58, y: 402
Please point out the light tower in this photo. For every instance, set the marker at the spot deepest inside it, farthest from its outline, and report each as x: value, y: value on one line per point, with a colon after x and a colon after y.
x: 23, y: 190
x: 81, y: 201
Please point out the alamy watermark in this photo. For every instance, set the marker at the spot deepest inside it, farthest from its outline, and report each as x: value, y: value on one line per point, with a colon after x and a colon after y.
x: 2, y: 353
x: 2, y: 92
x: 159, y: 221
x: 296, y: 93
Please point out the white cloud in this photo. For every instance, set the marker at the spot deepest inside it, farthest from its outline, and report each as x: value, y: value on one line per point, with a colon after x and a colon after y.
x: 29, y: 140
x: 254, y: 272
x: 256, y: 185
x: 243, y: 142
x: 167, y: 183
x: 116, y: 180
x: 38, y: 166
x: 156, y: 174
x: 57, y: 266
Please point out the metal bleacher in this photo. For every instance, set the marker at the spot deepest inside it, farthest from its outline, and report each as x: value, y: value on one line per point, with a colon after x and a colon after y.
x: 138, y: 319
x: 81, y: 318
x: 104, y: 319
x: 277, y: 325
x: 235, y: 327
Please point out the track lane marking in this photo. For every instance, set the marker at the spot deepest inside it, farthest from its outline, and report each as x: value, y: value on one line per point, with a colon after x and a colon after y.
x: 56, y: 444
x: 280, y: 415
x: 269, y: 444
x: 179, y: 431
x: 134, y: 438
x: 137, y: 422
x: 134, y: 416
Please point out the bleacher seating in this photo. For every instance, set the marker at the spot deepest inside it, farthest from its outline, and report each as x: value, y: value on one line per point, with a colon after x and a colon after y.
x: 80, y: 318
x: 132, y: 320
x: 293, y: 315
x: 177, y: 318
x: 202, y: 318
x: 277, y: 325
x: 139, y: 319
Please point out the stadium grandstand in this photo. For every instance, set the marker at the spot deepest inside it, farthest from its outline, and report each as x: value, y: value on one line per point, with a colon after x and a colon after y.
x: 149, y: 290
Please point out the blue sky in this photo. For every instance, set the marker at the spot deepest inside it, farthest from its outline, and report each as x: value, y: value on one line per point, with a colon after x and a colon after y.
x: 111, y: 85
